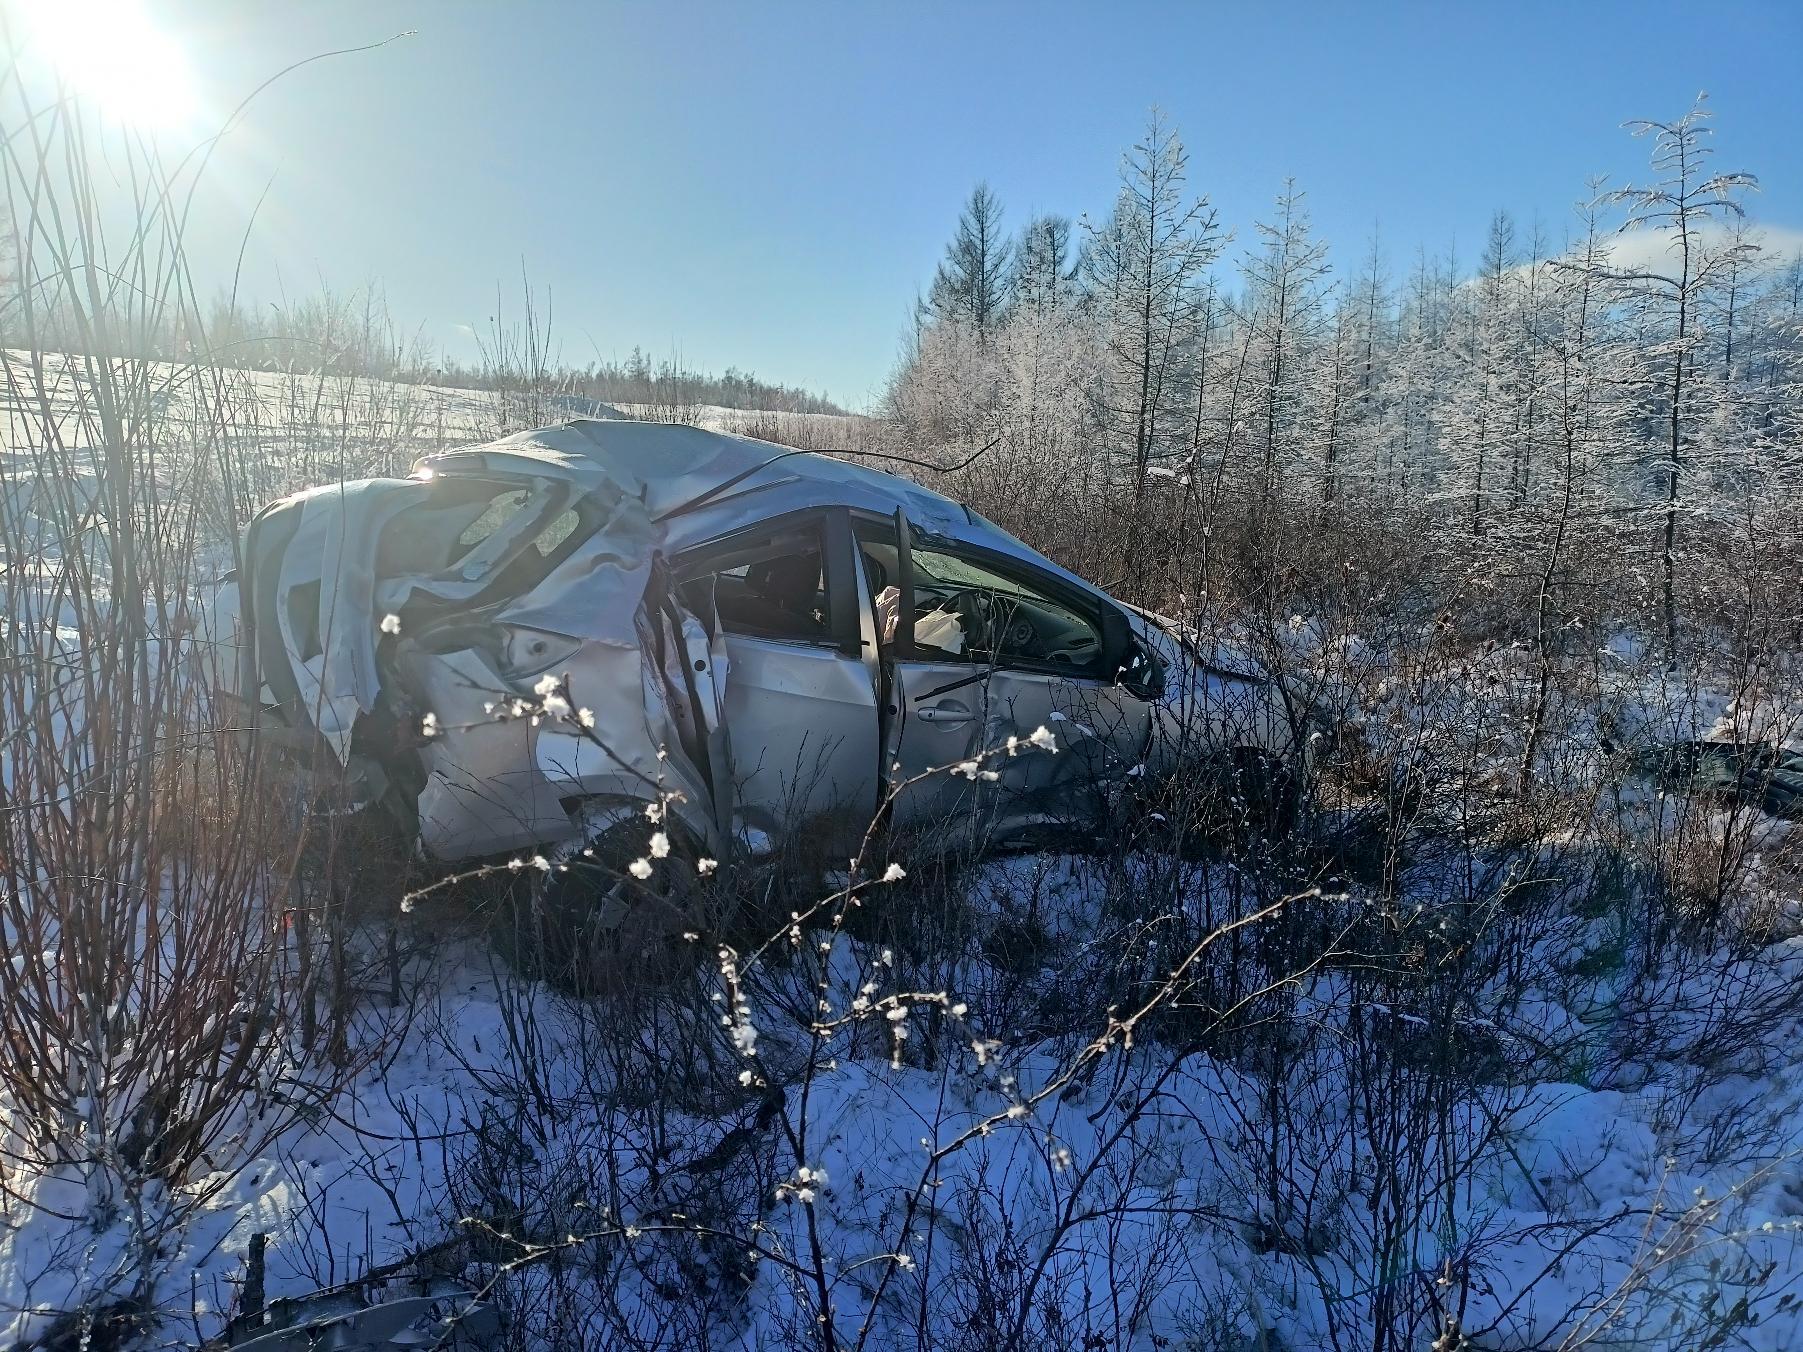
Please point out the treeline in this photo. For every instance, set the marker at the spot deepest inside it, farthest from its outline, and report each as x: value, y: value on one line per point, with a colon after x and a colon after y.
x: 666, y: 383
x: 354, y: 334
x: 1628, y: 386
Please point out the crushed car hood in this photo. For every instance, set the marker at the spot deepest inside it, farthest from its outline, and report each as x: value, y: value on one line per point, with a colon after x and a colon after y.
x: 345, y: 588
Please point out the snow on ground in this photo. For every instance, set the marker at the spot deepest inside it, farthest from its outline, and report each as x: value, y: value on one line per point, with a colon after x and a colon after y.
x: 1558, y: 1217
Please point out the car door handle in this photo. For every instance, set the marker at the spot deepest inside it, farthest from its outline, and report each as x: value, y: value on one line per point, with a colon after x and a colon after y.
x: 945, y: 713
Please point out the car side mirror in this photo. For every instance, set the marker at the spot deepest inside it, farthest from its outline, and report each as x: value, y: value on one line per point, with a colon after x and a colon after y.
x: 1117, y: 642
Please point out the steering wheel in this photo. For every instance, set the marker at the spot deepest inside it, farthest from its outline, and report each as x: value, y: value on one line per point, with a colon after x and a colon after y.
x: 970, y: 601
x: 994, y: 626
x: 972, y: 607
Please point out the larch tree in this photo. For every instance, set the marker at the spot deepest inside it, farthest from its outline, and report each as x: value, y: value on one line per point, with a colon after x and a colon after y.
x: 1538, y: 409
x: 1415, y: 379
x: 1045, y: 266
x: 973, y: 281
x: 1486, y: 410
x: 1688, y: 205
x: 1531, y: 300
x: 1212, y: 323
x: 1284, y: 308
x: 1337, y: 381
x: 1143, y: 268
x: 1489, y: 357
x: 1583, y: 375
x: 1776, y: 371
x: 1365, y: 325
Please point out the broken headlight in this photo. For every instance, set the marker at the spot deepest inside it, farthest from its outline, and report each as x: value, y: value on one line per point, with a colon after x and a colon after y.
x: 527, y: 652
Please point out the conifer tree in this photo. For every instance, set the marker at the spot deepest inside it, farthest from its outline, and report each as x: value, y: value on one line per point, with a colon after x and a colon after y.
x: 1143, y: 272
x: 1686, y: 205
x: 972, y: 283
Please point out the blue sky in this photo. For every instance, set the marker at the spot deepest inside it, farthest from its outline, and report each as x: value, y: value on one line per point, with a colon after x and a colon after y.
x: 766, y: 185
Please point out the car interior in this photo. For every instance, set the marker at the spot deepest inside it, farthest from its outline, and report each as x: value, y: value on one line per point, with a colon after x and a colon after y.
x: 772, y: 585
x: 768, y: 587
x: 995, y: 618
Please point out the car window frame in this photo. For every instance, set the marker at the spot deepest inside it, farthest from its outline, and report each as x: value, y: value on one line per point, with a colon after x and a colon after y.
x: 1088, y: 603
x: 837, y: 566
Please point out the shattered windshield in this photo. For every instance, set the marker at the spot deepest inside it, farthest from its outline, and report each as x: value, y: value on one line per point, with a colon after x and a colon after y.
x: 501, y: 508
x: 471, y: 528
x: 502, y: 511
x: 932, y: 566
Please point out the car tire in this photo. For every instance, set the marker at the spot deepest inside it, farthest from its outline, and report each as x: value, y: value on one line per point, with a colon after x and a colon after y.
x: 1268, y: 788
x: 589, y: 922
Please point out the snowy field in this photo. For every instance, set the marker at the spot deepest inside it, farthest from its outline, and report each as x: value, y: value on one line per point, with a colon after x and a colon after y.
x: 1640, y: 1195
x: 295, y: 429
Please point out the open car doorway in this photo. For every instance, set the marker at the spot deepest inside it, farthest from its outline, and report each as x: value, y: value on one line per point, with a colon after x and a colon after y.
x: 785, y: 594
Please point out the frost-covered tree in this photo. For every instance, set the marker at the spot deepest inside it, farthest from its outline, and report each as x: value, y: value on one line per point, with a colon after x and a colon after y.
x: 1687, y: 207
x: 1364, y: 341
x: 972, y: 283
x: 1417, y: 377
x: 1336, y: 393
x: 1775, y: 373
x: 1531, y: 297
x: 948, y: 394
x: 1213, y: 333
x: 1045, y: 265
x: 1144, y: 274
x: 1583, y: 373
x: 1531, y: 414
x: 1486, y: 352
x: 1284, y: 310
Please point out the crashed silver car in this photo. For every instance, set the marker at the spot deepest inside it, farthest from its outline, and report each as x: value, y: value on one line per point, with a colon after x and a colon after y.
x: 771, y: 641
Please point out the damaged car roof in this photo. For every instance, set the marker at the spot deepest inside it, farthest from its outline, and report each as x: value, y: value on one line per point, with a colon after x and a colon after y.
x: 670, y: 466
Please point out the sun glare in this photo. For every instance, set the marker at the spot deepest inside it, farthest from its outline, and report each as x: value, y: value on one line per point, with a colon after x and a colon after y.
x: 111, y: 53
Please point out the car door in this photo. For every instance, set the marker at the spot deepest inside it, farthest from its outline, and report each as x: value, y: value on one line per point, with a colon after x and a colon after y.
x: 989, y: 647
x: 801, y: 699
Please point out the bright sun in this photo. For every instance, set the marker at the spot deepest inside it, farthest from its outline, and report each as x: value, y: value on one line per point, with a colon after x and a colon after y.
x: 113, y: 55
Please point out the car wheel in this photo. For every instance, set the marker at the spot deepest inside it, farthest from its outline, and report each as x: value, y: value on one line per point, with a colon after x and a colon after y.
x: 1265, y: 788
x: 589, y: 919
x: 1225, y: 800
